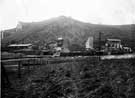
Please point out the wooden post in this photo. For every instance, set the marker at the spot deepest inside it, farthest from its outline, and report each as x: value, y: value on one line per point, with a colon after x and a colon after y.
x: 28, y: 65
x: 19, y: 69
x: 4, y: 77
x: 41, y: 61
x: 46, y: 62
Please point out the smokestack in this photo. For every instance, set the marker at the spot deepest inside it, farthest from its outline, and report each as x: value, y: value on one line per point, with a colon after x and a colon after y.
x: 99, y: 41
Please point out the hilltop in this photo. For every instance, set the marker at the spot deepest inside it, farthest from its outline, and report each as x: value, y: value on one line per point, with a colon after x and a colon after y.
x: 74, y: 32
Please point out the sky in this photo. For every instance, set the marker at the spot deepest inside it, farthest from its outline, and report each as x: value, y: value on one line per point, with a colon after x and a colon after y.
x: 112, y: 12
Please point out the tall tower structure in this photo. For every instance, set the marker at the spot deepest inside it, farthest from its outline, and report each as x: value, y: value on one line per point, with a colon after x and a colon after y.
x: 89, y: 43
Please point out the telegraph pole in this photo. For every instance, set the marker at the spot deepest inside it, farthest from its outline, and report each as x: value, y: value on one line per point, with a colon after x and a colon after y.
x: 99, y: 47
x: 133, y: 35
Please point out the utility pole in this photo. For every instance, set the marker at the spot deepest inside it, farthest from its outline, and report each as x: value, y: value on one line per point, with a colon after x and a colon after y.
x: 133, y: 35
x: 99, y: 47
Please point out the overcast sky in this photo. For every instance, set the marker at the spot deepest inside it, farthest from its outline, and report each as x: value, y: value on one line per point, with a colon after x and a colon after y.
x: 115, y: 12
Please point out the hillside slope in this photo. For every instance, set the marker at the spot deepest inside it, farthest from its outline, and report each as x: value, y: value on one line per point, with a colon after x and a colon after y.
x: 74, y: 32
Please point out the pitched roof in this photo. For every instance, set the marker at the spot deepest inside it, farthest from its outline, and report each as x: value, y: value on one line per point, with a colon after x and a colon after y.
x: 113, y: 40
x: 19, y: 45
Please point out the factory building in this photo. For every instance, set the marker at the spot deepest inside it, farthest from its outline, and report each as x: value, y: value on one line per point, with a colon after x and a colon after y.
x: 113, y: 43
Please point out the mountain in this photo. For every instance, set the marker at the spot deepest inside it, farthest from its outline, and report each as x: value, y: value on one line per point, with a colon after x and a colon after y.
x: 74, y: 32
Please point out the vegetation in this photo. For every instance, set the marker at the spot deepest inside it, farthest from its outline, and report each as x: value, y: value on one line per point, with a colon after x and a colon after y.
x: 84, y: 79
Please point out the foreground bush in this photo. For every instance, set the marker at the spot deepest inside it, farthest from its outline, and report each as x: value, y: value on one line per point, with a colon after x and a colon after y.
x: 104, y: 79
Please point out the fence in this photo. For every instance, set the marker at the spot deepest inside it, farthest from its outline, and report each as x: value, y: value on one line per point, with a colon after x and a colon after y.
x: 27, y: 62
